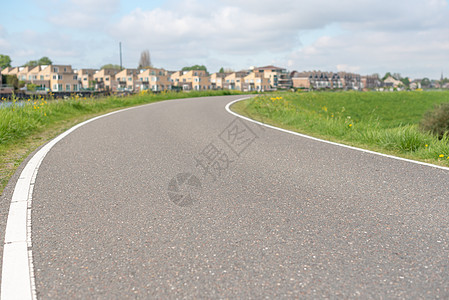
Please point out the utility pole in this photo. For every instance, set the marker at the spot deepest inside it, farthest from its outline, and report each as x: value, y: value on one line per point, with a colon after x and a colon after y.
x: 120, y: 44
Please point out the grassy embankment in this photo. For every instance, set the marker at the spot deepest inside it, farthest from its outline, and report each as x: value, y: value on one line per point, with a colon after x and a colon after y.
x: 23, y: 128
x: 382, y: 122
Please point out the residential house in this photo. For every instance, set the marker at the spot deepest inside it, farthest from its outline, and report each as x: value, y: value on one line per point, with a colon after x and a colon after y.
x: 351, y: 81
x: 371, y: 81
x: 7, y: 70
x: 10, y: 71
x: 415, y: 84
x: 199, y: 79
x: 235, y: 81
x: 34, y: 77
x: 105, y: 80
x: 23, y: 72
x: 127, y: 80
x: 278, y: 78
x: 62, y: 78
x: 390, y: 81
x: 320, y: 80
x: 175, y: 79
x: 154, y: 79
x: 256, y: 82
x: 217, y: 80
x: 86, y: 78
x: 300, y: 80
x: 33, y: 74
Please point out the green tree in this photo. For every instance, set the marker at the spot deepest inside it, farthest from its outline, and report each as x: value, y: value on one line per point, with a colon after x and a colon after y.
x: 406, y: 81
x: 31, y: 63
x: 12, y: 80
x: 221, y: 70
x: 5, y: 61
x: 111, y: 66
x: 43, y: 61
x: 425, y: 82
x: 195, y: 67
x: 388, y: 74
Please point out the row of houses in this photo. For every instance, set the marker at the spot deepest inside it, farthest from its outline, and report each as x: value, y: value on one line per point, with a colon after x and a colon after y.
x: 330, y: 80
x: 63, y: 78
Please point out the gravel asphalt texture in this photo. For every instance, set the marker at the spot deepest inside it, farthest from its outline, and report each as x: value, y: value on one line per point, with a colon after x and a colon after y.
x: 275, y: 215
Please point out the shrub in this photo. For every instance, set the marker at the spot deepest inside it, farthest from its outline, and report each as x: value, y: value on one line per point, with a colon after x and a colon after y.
x: 436, y: 121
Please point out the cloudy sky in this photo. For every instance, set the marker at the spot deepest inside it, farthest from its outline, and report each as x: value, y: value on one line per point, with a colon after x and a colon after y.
x: 365, y: 36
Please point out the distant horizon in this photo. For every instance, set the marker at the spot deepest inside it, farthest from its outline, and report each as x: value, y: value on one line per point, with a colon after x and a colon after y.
x: 373, y: 37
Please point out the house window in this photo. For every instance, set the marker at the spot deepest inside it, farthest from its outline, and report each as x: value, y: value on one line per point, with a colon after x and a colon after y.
x: 59, y: 87
x: 42, y: 77
x: 75, y: 77
x: 55, y: 87
x: 55, y: 70
x: 65, y: 69
x: 54, y: 76
x: 75, y: 87
x: 67, y: 87
x: 130, y: 79
x: 85, y: 78
x: 106, y: 79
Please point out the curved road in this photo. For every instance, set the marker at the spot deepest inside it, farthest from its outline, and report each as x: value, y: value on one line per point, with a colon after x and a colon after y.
x: 181, y: 199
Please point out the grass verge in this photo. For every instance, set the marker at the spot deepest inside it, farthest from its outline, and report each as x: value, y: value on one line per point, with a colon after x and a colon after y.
x: 26, y: 126
x: 381, y: 122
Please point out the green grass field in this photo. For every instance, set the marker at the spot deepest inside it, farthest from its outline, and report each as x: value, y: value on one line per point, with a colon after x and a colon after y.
x: 26, y: 126
x: 383, y: 122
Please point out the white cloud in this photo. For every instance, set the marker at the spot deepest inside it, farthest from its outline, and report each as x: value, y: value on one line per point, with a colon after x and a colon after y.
x: 357, y: 35
x: 375, y: 34
x: 83, y: 14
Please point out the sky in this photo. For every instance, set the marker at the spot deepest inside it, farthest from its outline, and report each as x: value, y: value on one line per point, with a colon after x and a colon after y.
x: 410, y: 37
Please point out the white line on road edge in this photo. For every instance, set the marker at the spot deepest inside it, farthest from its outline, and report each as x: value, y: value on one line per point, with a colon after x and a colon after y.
x: 328, y: 142
x: 17, y: 271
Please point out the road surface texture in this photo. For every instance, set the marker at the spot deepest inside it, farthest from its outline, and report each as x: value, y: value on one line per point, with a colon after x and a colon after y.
x: 181, y: 199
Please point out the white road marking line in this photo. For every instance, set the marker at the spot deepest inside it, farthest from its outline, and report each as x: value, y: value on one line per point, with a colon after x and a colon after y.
x: 18, y: 271
x: 328, y: 142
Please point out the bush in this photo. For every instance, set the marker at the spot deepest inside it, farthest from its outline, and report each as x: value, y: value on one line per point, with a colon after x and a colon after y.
x: 436, y: 121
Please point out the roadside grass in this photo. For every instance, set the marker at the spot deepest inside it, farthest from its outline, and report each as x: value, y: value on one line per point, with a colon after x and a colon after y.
x: 27, y: 125
x: 382, y: 122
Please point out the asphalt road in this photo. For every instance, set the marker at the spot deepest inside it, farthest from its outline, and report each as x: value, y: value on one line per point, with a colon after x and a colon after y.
x: 181, y: 199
